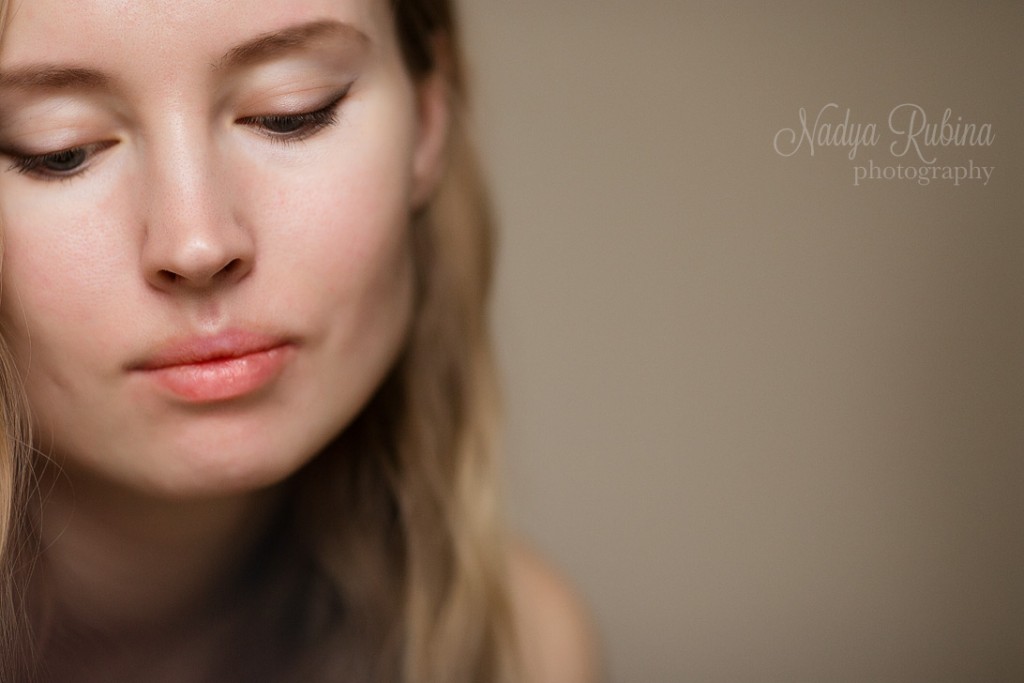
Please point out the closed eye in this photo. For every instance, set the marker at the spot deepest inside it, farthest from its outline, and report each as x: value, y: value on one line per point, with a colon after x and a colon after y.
x: 296, y: 127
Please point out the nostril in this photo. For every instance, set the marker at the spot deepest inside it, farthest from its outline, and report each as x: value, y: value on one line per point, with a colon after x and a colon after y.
x: 233, y: 270
x: 191, y: 255
x: 211, y: 273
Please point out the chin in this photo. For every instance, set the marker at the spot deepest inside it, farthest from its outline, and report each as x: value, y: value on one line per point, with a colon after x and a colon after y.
x: 245, y: 465
x: 199, y: 463
x: 207, y: 475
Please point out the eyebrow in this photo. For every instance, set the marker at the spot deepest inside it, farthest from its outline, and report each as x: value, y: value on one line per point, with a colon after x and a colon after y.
x: 259, y: 49
x: 49, y: 77
x: 269, y: 45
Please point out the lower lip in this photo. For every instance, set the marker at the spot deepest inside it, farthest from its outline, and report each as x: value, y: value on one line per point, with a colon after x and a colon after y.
x: 222, y: 379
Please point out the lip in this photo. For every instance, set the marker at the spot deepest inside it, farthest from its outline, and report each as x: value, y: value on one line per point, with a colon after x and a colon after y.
x: 225, y: 366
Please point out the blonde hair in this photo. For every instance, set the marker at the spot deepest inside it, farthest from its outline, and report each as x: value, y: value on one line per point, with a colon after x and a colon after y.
x: 432, y: 426
x: 397, y: 518
x: 15, y: 525
x: 15, y: 532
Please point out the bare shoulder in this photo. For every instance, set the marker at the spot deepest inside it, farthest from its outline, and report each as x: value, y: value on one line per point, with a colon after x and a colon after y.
x: 556, y: 634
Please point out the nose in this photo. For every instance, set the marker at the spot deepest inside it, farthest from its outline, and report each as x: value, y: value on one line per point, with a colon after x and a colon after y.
x: 193, y: 238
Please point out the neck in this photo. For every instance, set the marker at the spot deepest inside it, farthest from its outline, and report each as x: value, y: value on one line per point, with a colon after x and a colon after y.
x: 128, y: 567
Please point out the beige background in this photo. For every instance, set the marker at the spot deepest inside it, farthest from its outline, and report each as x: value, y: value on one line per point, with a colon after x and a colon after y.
x: 770, y: 422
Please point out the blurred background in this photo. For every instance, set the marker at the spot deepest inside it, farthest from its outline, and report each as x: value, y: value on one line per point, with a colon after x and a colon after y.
x: 770, y: 421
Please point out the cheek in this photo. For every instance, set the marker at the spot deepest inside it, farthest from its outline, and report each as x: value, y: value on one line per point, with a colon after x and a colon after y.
x: 57, y: 268
x: 340, y: 220
x: 68, y: 272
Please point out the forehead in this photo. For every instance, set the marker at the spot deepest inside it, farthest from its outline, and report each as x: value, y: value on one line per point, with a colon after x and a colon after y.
x: 143, y: 34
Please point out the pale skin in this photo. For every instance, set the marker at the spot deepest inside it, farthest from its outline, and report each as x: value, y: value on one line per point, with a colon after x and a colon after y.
x: 167, y: 168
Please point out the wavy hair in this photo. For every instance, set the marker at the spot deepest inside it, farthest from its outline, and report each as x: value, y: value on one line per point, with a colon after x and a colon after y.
x: 16, y: 529
x: 389, y: 562
x: 422, y: 510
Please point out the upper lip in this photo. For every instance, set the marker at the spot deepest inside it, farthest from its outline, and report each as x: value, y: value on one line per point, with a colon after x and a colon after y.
x: 190, y: 350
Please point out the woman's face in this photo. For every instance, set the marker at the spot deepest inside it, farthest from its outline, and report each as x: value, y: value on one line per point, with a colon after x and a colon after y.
x: 205, y: 210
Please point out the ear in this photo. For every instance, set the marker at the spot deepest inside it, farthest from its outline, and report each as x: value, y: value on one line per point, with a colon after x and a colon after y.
x: 433, y: 111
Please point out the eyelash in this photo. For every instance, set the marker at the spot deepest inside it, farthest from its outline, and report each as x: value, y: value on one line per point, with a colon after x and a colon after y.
x: 33, y: 165
x: 309, y: 123
x: 301, y: 127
